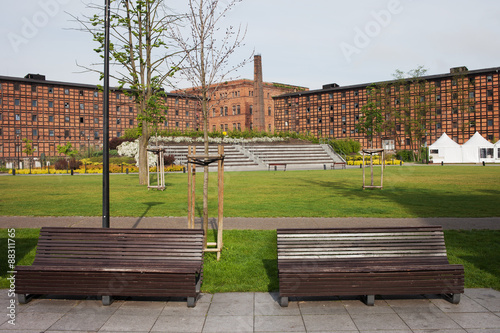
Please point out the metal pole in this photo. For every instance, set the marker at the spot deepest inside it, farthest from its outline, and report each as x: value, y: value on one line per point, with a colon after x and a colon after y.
x: 105, y: 160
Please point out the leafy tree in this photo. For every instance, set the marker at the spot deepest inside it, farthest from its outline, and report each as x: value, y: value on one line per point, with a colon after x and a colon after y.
x: 372, y: 117
x: 139, y: 46
x: 67, y: 150
x: 418, y: 104
x: 28, y: 150
x: 208, y: 48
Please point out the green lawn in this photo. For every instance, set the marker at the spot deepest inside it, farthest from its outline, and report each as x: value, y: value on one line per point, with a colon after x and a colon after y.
x: 409, y: 191
x: 249, y: 259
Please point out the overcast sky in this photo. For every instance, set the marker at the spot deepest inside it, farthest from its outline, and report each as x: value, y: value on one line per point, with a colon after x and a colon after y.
x: 306, y: 43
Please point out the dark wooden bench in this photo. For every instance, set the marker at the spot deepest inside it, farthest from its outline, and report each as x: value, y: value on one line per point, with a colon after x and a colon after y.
x: 276, y: 165
x: 114, y: 262
x: 366, y: 262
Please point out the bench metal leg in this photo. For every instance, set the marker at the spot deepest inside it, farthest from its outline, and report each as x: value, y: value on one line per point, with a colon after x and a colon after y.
x: 107, y: 300
x: 284, y: 301
x: 23, y: 298
x: 191, y: 302
x: 453, y: 298
x: 369, y: 299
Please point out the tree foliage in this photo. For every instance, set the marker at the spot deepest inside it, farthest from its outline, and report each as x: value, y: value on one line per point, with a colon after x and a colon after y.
x: 140, y: 49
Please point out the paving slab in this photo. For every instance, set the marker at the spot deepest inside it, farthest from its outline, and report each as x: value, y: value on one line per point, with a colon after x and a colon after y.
x: 260, y: 312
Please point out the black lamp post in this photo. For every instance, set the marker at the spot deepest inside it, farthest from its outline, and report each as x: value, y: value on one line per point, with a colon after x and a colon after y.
x: 105, y: 159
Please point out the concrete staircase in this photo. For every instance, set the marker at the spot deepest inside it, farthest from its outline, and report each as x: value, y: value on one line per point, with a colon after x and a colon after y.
x: 260, y: 156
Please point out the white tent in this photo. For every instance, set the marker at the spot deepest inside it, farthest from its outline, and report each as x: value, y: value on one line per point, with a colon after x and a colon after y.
x: 477, y: 150
x: 445, y: 150
x: 496, y: 152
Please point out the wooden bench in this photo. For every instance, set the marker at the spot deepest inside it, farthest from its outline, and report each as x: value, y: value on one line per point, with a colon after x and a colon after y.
x: 114, y: 262
x: 366, y: 262
x: 276, y: 165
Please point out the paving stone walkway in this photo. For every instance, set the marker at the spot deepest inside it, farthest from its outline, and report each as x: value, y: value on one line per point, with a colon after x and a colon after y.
x: 478, y: 312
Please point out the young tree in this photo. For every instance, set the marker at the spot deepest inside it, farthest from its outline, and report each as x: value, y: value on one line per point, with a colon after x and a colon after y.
x: 207, y: 66
x: 139, y: 46
x: 372, y: 115
x: 28, y: 150
x: 418, y: 105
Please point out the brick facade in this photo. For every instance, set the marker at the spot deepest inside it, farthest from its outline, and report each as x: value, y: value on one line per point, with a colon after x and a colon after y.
x: 463, y: 102
x: 52, y: 113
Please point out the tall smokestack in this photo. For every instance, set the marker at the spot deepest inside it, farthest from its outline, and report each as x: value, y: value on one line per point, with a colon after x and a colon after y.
x: 259, y: 120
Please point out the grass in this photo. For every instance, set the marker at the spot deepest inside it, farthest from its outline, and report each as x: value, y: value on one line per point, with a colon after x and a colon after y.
x: 409, y: 191
x: 249, y: 259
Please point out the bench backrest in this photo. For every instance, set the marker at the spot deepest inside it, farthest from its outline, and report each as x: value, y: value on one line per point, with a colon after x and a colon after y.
x: 361, y: 243
x: 127, y: 246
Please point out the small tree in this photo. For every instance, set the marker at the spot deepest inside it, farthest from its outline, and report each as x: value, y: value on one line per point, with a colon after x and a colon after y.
x: 372, y: 118
x: 67, y: 150
x: 207, y: 50
x: 139, y: 45
x: 28, y: 150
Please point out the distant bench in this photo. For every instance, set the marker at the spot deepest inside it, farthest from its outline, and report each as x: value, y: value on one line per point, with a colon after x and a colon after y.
x: 114, y: 262
x: 366, y: 262
x: 276, y: 165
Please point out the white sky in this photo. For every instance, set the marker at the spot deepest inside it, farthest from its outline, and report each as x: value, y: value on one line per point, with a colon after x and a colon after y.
x: 306, y: 43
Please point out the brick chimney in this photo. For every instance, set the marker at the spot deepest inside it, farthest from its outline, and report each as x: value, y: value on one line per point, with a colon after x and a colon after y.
x: 259, y: 120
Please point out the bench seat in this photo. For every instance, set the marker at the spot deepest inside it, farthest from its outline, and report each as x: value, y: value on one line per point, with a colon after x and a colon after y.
x: 366, y: 262
x: 115, y: 262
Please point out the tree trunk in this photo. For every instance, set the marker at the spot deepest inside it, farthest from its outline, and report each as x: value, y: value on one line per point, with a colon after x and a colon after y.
x: 143, y: 160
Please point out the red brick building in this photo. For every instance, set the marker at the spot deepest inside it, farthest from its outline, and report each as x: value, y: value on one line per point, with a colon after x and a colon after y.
x: 244, y: 104
x: 52, y: 113
x: 461, y: 103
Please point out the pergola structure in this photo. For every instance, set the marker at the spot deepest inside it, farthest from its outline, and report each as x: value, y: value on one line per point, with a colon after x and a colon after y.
x: 371, y: 152
x: 202, y: 160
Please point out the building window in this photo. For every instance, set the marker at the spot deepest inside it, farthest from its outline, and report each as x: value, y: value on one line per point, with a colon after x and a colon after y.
x: 225, y: 111
x: 51, y: 90
x: 66, y: 105
x: 117, y: 95
x: 131, y: 109
x: 489, y: 107
x: 51, y: 119
x: 51, y: 132
x: 489, y: 122
x: 96, y: 94
x: 118, y: 121
x: 176, y: 124
x: 66, y: 119
x: 269, y: 111
x: 187, y: 125
x: 343, y: 107
x: 356, y: 105
x: 96, y: 135
x: 308, y: 121
x: 455, y: 110
x: 187, y: 113
x: 96, y: 106
x: 17, y: 102
x: 131, y: 122
x: 66, y: 91
x: 34, y: 103
x: 438, y: 111
x: 319, y: 120
x: 1, y: 132
x: 82, y: 106
x: 239, y: 127
x: 471, y: 94
x: 438, y: 97
x: 66, y: 133
x: 96, y: 120
x: 17, y: 86
x: 489, y: 93
x: 81, y: 120
x: 438, y: 125
x: 356, y: 92
x: 34, y: 117
x: 489, y: 78
x: 117, y: 109
x: 17, y: 117
x: 251, y: 109
x: 51, y: 104
x: 35, y: 132
x: 118, y: 134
